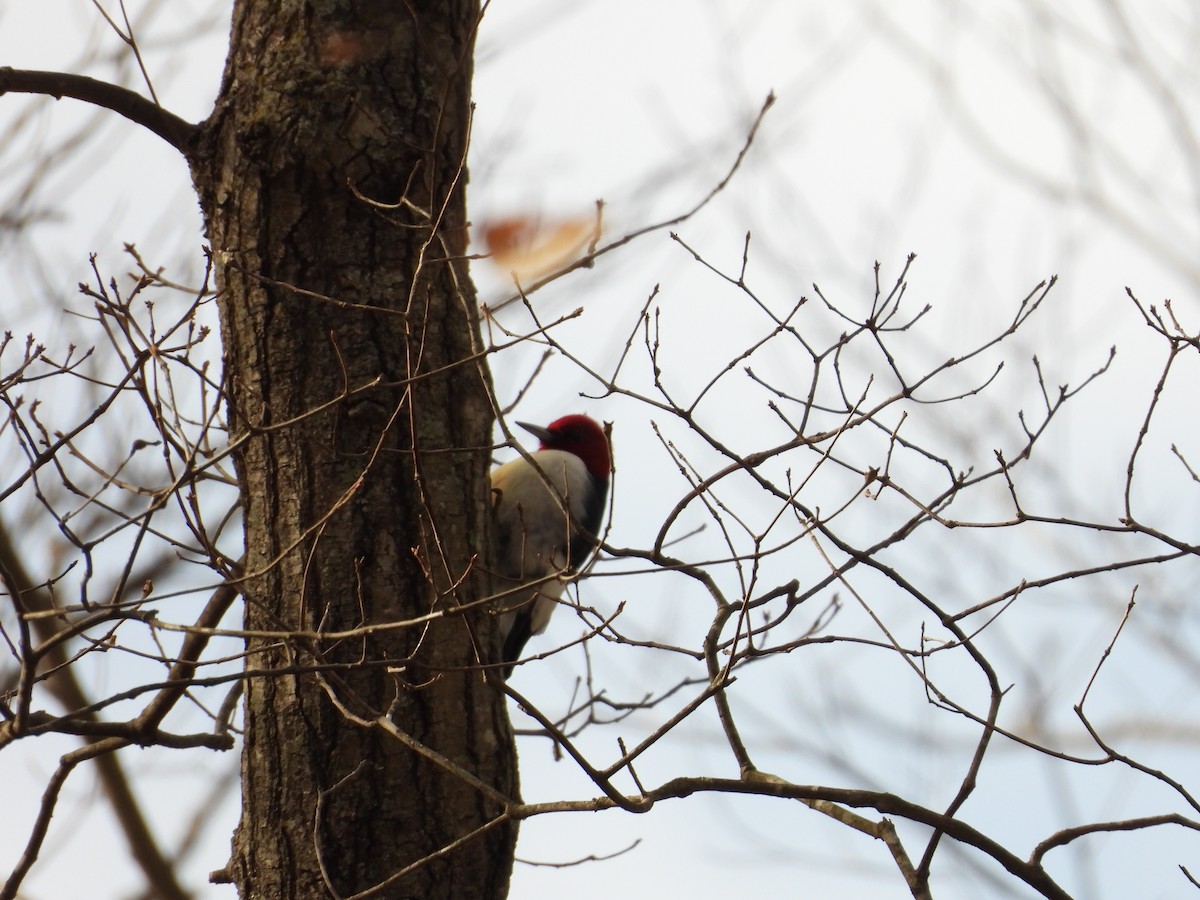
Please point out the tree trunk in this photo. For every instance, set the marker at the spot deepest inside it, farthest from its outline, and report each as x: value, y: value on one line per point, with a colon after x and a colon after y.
x: 332, y: 178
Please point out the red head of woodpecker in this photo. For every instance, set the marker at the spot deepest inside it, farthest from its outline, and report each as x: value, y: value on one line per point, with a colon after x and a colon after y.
x: 548, y: 514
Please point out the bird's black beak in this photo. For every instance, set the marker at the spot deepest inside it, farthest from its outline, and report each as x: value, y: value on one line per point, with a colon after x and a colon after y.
x: 540, y: 432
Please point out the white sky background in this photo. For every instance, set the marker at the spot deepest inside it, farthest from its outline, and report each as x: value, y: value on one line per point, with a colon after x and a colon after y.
x: 863, y: 158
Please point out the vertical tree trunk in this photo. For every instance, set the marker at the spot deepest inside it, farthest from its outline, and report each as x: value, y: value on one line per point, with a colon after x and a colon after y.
x: 332, y: 178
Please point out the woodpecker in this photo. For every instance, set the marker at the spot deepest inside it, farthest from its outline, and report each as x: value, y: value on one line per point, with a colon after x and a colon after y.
x: 548, y: 514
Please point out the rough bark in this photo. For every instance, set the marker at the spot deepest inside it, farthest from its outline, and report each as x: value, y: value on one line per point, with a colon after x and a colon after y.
x: 331, y: 174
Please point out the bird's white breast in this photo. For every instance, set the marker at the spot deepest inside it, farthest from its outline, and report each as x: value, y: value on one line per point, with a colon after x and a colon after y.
x: 536, y: 527
x: 535, y: 509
